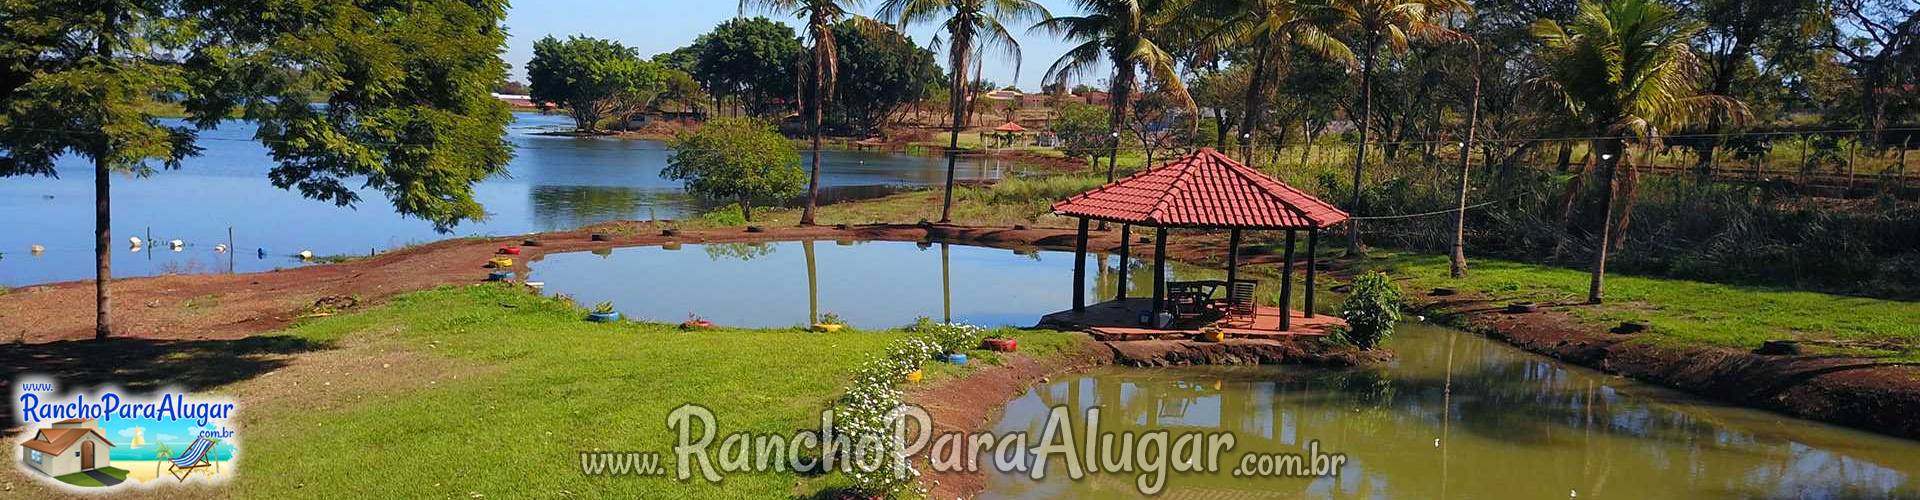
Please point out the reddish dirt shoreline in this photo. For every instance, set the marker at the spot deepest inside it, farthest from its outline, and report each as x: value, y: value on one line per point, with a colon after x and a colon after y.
x: 1855, y: 392
x: 971, y: 403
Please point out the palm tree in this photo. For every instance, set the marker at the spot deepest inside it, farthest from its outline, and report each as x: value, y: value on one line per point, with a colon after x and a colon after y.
x: 1393, y: 24
x: 1121, y: 33
x: 1272, y: 28
x: 823, y: 68
x: 1625, y: 69
x: 970, y: 25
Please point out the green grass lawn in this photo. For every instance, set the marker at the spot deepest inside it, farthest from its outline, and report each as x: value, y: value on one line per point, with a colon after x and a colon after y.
x: 1686, y: 312
x: 84, y: 480
x: 533, y: 386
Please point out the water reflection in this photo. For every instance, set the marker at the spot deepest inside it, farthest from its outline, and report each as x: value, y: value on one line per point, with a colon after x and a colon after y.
x: 1458, y: 416
x: 869, y: 284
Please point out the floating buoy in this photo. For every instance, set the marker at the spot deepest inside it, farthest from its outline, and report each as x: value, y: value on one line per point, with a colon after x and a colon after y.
x: 220, y: 248
x: 37, y: 250
x: 135, y: 240
x: 305, y: 255
x: 176, y: 245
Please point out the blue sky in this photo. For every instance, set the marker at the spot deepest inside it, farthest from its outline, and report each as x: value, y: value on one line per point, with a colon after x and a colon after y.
x: 655, y: 26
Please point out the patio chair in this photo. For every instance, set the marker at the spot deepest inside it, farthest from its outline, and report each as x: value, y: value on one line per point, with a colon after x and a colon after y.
x: 1241, y: 302
x: 193, y: 459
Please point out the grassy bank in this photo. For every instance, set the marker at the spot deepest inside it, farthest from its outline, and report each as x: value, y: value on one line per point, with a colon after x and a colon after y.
x: 488, y: 390
x: 1685, y: 312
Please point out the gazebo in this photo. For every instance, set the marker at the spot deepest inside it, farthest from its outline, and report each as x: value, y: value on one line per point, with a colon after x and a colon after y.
x: 1008, y: 131
x: 1202, y: 190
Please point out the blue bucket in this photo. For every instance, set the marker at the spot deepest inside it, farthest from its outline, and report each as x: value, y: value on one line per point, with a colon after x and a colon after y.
x: 957, y: 358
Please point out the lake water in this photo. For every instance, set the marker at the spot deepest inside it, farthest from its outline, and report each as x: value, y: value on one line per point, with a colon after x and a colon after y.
x: 554, y: 183
x: 1460, y: 416
x: 877, y: 284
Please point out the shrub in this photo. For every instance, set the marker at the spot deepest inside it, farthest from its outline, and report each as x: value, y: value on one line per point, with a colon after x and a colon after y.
x: 950, y: 337
x: 1371, y: 310
x: 726, y: 216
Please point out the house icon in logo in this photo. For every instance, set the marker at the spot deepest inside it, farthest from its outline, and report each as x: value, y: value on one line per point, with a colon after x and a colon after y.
x: 67, y: 447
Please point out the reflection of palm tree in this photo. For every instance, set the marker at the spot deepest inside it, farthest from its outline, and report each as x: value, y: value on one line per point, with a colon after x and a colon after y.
x: 946, y: 282
x: 813, y: 284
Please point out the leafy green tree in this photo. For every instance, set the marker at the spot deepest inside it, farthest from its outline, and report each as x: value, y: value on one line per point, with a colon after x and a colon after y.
x: 1082, y: 131
x: 1625, y: 67
x: 593, y: 79
x: 751, y: 60
x: 969, y: 26
x: 884, y: 69
x: 1272, y: 28
x: 823, y: 66
x: 406, y: 87
x: 1122, y: 34
x: 743, y: 160
x: 1392, y: 24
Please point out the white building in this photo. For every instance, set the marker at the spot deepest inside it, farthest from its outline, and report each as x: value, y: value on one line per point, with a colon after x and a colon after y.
x: 67, y: 447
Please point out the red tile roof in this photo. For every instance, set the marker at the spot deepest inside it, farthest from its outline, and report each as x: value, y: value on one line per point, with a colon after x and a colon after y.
x: 1204, y: 189
x: 57, y: 441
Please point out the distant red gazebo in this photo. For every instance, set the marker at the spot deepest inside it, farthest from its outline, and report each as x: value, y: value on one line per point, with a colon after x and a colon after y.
x: 1202, y: 190
x: 1010, y: 128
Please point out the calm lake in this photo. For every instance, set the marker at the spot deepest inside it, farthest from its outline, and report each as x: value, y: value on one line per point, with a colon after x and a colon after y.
x: 553, y: 183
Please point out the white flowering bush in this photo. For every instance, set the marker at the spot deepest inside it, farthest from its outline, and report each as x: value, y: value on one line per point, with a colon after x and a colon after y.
x: 867, y: 413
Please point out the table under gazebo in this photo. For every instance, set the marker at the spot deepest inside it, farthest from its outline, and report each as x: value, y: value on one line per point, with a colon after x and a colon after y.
x: 1204, y: 190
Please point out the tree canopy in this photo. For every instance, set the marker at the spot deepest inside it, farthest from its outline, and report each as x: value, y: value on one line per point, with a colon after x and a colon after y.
x: 883, y: 71
x: 743, y: 160
x: 593, y: 78
x: 749, y: 59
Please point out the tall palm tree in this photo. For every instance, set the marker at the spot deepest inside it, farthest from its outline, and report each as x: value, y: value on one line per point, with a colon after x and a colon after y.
x: 822, y: 69
x: 1120, y: 33
x: 1625, y: 68
x: 969, y: 25
x: 1272, y: 28
x: 1393, y: 25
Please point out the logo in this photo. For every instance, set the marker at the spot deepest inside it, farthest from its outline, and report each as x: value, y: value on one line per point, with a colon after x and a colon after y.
x: 107, y: 439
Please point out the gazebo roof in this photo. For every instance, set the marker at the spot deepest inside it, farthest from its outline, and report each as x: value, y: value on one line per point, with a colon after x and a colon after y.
x: 1205, y: 189
x: 1010, y: 127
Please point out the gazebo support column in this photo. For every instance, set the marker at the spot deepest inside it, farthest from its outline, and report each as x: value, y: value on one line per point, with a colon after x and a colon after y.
x: 1159, y: 275
x: 1286, y: 284
x: 1126, y: 243
x: 1313, y: 265
x: 1080, y: 268
x: 1233, y: 256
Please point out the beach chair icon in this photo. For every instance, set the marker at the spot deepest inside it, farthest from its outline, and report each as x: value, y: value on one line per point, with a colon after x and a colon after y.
x: 194, y: 458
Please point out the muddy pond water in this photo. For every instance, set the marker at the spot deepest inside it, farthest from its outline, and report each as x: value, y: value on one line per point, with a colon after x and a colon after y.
x: 1461, y: 416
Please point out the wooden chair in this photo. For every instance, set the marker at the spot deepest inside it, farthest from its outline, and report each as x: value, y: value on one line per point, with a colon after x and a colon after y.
x: 195, y: 458
x: 1241, y: 301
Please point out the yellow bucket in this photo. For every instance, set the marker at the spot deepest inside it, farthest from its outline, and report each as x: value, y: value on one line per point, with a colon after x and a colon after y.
x: 915, y: 376
x: 500, y: 262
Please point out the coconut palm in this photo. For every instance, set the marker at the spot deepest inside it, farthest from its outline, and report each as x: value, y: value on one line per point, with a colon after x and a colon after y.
x: 970, y: 26
x: 1393, y: 25
x: 1625, y: 69
x: 1123, y: 34
x: 823, y: 68
x: 1272, y: 28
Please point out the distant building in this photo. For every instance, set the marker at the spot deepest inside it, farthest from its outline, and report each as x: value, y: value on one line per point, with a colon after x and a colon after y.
x: 1095, y: 97
x: 517, y: 100
x: 1034, y: 100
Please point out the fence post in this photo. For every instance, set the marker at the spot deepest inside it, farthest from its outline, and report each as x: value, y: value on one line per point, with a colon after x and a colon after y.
x: 230, y: 250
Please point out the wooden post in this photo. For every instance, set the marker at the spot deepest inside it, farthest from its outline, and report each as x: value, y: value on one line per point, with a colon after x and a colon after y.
x: 1080, y: 268
x: 1159, y: 274
x: 1126, y: 243
x: 1233, y: 257
x: 230, y: 250
x: 1286, y: 284
x: 1313, y: 266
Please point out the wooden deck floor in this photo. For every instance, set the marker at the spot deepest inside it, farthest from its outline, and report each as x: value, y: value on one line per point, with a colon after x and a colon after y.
x: 1119, y: 320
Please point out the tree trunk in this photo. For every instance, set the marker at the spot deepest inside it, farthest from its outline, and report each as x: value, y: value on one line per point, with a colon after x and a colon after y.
x: 1566, y: 156
x: 1252, y: 106
x: 1360, y: 150
x: 102, y: 239
x: 1118, y: 108
x: 819, y: 102
x: 1459, y: 269
x: 1611, y: 150
x: 746, y: 209
x: 958, y: 96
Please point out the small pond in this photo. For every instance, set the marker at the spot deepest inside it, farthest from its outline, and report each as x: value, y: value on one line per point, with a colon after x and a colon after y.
x: 870, y: 284
x: 1460, y: 416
